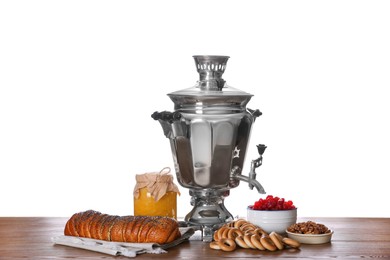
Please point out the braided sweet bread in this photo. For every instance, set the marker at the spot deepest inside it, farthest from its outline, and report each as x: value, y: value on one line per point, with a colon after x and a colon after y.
x: 132, y: 229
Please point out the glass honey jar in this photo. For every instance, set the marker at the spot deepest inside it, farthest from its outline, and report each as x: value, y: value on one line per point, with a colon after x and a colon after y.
x: 155, y: 194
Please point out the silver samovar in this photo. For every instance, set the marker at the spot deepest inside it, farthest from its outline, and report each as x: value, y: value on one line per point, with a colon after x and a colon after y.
x: 209, y: 132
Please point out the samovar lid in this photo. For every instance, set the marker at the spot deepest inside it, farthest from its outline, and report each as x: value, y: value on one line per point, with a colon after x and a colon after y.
x: 210, y: 88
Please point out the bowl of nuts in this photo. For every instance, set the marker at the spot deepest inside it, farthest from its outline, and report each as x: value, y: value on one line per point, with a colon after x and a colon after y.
x: 310, y: 232
x: 272, y: 214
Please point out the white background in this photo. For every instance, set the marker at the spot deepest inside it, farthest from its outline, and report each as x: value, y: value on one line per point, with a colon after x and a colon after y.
x: 80, y: 79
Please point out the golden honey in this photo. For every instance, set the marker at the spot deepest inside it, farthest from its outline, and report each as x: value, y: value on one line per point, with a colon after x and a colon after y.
x: 155, y: 194
x: 145, y: 204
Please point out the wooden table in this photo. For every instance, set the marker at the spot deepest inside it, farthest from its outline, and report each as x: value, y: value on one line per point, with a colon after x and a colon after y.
x: 30, y: 238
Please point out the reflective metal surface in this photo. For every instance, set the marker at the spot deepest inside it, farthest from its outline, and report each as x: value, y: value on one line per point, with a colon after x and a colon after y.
x: 209, y: 133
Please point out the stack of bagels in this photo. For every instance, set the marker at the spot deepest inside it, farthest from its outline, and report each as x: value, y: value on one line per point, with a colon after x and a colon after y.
x: 241, y: 233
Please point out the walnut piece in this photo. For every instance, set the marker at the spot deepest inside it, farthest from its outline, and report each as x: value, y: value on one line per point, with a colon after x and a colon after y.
x: 309, y: 227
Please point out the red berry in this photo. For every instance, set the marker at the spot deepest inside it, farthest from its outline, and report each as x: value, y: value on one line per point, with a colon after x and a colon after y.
x: 273, y: 203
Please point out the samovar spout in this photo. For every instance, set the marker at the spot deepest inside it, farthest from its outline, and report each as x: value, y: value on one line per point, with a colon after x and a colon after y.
x: 252, y: 183
x: 251, y: 178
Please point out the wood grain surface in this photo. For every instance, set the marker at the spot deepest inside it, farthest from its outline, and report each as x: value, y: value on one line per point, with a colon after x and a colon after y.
x: 30, y: 238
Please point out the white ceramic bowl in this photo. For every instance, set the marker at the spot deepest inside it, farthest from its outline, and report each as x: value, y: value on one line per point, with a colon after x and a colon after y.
x: 311, y: 238
x: 272, y: 220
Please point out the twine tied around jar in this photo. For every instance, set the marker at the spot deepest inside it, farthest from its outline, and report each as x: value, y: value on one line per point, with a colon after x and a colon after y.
x: 156, y: 183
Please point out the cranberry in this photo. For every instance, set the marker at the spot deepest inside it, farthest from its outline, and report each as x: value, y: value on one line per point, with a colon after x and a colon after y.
x: 272, y: 203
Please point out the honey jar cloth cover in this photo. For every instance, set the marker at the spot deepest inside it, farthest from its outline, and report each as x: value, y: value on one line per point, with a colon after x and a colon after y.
x: 157, y: 184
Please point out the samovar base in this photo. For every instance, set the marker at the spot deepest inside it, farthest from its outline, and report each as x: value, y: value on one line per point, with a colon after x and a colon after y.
x: 209, y: 212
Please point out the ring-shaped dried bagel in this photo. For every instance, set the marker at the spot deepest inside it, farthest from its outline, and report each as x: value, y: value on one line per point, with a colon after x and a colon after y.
x: 249, y: 232
x: 248, y: 226
x: 261, y: 232
x: 240, y: 242
x: 279, y: 236
x: 267, y: 243
x: 238, y: 223
x: 214, y: 245
x: 234, y: 232
x: 255, y: 240
x: 225, y: 233
x: 227, y: 244
x: 275, y: 239
x: 230, y: 224
x: 291, y: 242
x: 215, y: 236
x: 221, y: 232
x: 217, y: 233
x: 247, y: 239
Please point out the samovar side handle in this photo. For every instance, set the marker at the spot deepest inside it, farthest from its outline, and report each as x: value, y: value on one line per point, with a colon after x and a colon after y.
x: 255, y: 113
x: 166, y: 116
x: 167, y: 121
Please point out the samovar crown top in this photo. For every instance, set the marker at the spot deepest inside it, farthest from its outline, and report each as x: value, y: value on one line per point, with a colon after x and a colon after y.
x: 210, y: 69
